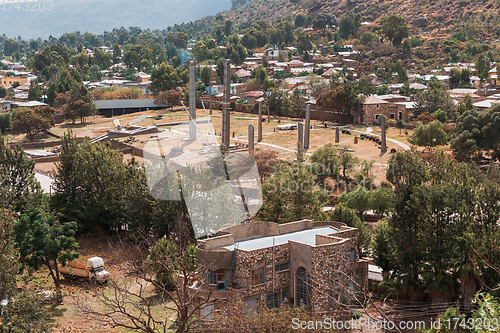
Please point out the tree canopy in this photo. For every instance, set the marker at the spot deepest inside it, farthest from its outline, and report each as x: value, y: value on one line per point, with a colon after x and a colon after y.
x: 291, y: 195
x: 44, y: 241
x: 395, y: 29
x: 477, y: 133
x: 430, y: 135
x: 32, y: 121
x: 435, y: 97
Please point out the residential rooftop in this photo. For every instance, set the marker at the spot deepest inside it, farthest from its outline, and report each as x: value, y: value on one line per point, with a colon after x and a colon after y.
x: 303, y: 236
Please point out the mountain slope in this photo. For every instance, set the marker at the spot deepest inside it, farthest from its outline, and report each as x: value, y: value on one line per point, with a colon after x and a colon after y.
x: 431, y: 17
x: 97, y: 16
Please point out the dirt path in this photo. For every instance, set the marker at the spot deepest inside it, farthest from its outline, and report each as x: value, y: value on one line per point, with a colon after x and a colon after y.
x: 369, y: 131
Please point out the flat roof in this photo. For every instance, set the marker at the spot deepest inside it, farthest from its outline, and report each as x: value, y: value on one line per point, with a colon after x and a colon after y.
x: 126, y: 103
x: 304, y: 236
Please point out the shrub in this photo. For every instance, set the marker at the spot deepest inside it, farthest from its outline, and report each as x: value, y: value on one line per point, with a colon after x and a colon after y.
x: 5, y: 120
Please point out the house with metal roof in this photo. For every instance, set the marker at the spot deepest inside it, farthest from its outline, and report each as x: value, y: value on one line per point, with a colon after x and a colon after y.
x: 114, y: 107
x: 303, y: 263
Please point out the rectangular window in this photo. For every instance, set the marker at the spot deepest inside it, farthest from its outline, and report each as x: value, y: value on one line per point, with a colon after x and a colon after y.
x: 216, y: 277
x: 352, y: 255
x: 258, y: 276
x: 392, y: 116
x: 207, y: 311
x: 284, y: 296
x: 282, y: 266
x: 252, y: 304
x: 273, y: 300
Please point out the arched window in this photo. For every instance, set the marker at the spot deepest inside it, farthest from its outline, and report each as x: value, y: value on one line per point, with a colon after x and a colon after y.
x: 302, y: 289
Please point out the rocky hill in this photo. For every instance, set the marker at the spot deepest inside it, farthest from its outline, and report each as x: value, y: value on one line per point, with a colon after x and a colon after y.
x: 55, y: 17
x: 437, y: 18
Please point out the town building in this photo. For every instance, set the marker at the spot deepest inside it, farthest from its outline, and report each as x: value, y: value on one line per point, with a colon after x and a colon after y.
x: 10, y: 80
x: 303, y: 263
x: 373, y: 107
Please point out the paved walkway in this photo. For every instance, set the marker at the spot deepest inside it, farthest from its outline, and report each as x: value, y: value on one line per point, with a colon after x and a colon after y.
x: 369, y: 131
x: 45, y: 181
x: 273, y: 146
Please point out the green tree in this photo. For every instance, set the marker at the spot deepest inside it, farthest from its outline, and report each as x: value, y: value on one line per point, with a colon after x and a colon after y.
x: 89, y: 183
x: 260, y: 74
x: 346, y: 215
x: 5, y: 121
x: 32, y: 121
x: 278, y: 101
x: 44, y: 241
x: 3, y: 92
x: 430, y: 135
x: 441, y: 115
x: 433, y: 98
x: 454, y: 78
x: 349, y: 23
x: 382, y: 252
x: 400, y: 124
x: 201, y: 51
x: 367, y: 37
x: 206, y: 75
x: 167, y: 77
x: 297, y: 103
x: 467, y: 138
x: 438, y: 203
x: 97, y: 189
x: 382, y: 200
x: 359, y: 200
x: 25, y: 313
x: 482, y: 67
x: 35, y: 93
x: 303, y: 43
x: 300, y: 20
x: 394, y: 28
x: 322, y: 20
x: 326, y: 162
x: 347, y: 163
x: 18, y: 187
x: 9, y: 265
x: 78, y: 109
x: 291, y: 195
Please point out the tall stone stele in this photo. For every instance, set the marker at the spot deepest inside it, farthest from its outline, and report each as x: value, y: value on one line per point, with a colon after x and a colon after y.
x: 300, y: 128
x: 251, y: 146
x: 226, y: 111
x: 337, y: 135
x: 259, y: 126
x: 383, y: 142
x: 308, y: 126
x: 192, y: 102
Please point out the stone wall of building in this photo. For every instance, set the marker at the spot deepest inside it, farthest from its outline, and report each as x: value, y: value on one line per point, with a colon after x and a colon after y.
x: 249, y: 261
x: 327, y: 260
x: 328, y: 264
x: 370, y: 112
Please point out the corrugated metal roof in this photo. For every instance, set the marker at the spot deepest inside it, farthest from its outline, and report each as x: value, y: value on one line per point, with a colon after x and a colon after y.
x: 126, y: 103
x: 303, y: 236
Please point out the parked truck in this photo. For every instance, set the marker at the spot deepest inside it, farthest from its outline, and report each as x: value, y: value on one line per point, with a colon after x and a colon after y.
x: 93, y: 271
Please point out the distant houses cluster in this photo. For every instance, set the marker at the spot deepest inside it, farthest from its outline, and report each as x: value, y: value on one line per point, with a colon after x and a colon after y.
x: 294, y: 72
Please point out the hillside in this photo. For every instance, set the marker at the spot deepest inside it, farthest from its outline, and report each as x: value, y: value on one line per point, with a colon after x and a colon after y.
x: 436, y: 18
x: 96, y: 16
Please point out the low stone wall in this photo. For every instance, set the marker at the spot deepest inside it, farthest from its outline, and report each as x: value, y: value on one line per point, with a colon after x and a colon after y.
x: 126, y: 148
x: 35, y: 144
x: 47, y: 159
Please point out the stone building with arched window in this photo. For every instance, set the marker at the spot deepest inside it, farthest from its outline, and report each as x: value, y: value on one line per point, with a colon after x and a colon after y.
x: 303, y: 263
